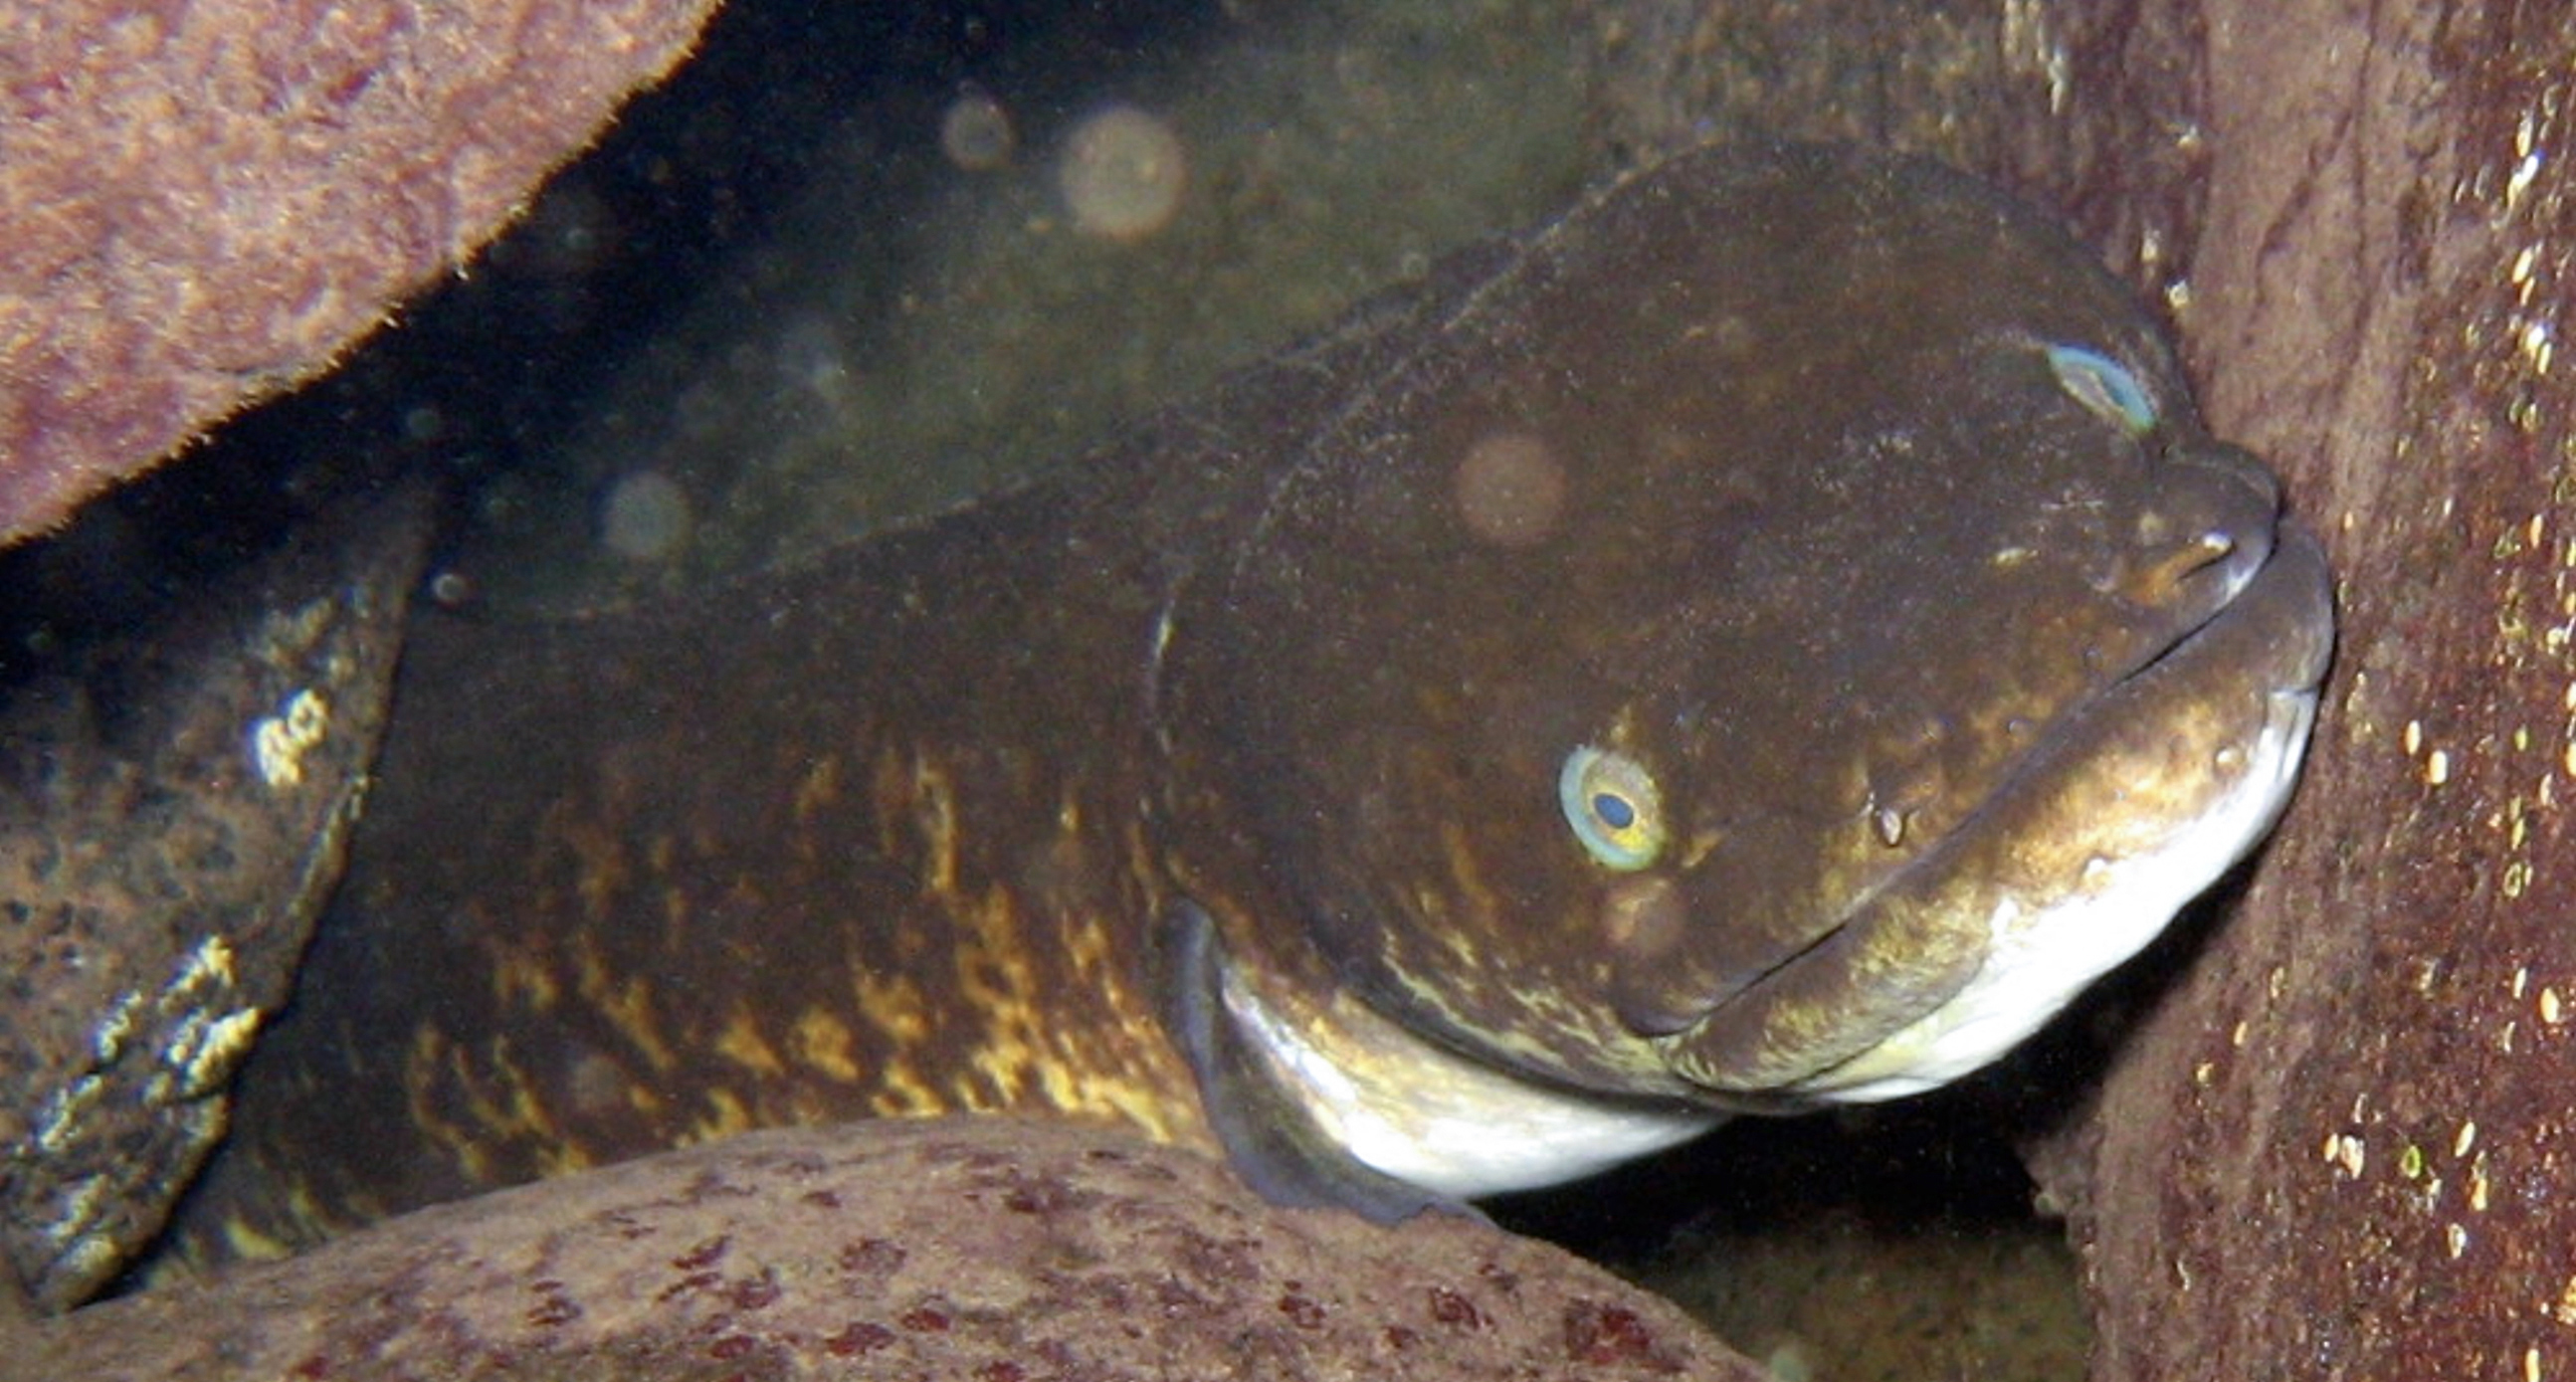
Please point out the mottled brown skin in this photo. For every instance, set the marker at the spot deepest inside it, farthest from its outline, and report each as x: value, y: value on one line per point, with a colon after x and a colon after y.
x: 798, y: 877
x: 916, y: 827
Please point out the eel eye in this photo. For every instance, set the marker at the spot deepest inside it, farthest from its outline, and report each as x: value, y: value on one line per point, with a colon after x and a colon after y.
x: 1610, y: 800
x: 2103, y: 385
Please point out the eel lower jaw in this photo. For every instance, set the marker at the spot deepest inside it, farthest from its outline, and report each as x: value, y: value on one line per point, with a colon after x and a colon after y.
x: 2161, y: 785
x: 1410, y: 1108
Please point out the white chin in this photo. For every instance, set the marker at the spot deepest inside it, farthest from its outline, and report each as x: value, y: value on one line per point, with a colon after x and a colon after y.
x: 2042, y: 956
x: 1428, y: 1116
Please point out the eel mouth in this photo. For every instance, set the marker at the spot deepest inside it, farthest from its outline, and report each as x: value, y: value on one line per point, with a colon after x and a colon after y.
x: 2136, y: 805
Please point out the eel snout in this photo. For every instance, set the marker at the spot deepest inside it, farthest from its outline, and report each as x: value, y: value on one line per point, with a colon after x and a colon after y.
x: 2137, y: 805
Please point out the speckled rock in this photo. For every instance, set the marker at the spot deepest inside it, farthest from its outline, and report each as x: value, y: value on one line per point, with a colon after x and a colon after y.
x: 2345, y: 1145
x: 202, y: 203
x: 173, y: 803
x: 986, y: 1248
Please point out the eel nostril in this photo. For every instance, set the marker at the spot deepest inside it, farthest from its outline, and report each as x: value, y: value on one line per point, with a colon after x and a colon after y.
x: 2202, y: 551
x: 2213, y: 529
x: 2174, y: 575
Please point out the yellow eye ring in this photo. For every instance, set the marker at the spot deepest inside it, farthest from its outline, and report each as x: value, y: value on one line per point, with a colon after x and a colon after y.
x: 1610, y: 801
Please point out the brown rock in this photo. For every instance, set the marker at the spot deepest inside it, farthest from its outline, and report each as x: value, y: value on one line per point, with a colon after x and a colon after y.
x: 2344, y: 1145
x: 203, y: 202
x: 173, y: 804
x: 984, y: 1248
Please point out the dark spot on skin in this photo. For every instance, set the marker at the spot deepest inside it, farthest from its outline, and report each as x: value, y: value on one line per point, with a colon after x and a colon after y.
x: 758, y: 1293
x: 694, y: 1281
x: 1596, y: 1332
x: 872, y: 1257
x: 1302, y: 1311
x: 1400, y: 1338
x: 1039, y: 1195
x: 1500, y: 1277
x: 712, y: 1185
x: 1450, y: 1308
x: 1216, y: 1259
x: 858, y: 1340
x: 922, y: 1319
x: 625, y: 1226
x: 822, y: 1199
x: 731, y: 1346
x: 704, y: 1255
x: 1000, y: 1370
x: 313, y: 1366
x: 554, y: 1307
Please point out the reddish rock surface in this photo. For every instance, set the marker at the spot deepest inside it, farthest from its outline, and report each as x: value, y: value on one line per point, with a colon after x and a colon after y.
x: 985, y: 1248
x: 203, y: 202
x: 2346, y: 1145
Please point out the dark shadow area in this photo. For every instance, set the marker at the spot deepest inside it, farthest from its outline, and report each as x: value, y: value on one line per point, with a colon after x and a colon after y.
x: 481, y: 379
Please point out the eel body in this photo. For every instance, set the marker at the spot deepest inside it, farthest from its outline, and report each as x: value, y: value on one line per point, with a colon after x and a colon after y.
x: 1768, y: 638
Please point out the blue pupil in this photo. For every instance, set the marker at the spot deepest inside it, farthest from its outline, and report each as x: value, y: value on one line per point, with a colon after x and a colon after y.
x: 1616, y: 812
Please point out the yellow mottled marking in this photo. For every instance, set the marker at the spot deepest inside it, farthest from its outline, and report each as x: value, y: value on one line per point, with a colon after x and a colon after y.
x: 972, y: 1095
x: 599, y: 865
x: 310, y: 1221
x: 742, y: 1043
x: 903, y: 1095
x: 823, y: 1042
x: 245, y: 1241
x: 1098, y: 1093
x: 1087, y: 944
x: 427, y: 1064
x: 507, y: 1104
x: 820, y: 787
x: 725, y: 1117
x: 935, y: 811
x: 628, y: 1006
x: 895, y: 1007
x: 994, y: 974
x: 521, y: 979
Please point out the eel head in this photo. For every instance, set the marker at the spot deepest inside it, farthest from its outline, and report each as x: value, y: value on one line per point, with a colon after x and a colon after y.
x: 1779, y: 637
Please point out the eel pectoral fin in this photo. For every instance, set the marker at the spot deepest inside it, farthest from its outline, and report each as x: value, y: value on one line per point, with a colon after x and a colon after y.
x: 1274, y: 1144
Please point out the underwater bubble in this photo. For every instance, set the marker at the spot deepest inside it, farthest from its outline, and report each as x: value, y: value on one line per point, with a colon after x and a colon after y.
x: 812, y: 358
x: 646, y: 518
x: 703, y: 411
x: 422, y: 423
x: 1510, y: 489
x: 1121, y: 174
x: 569, y: 233
x: 452, y: 589
x: 975, y: 132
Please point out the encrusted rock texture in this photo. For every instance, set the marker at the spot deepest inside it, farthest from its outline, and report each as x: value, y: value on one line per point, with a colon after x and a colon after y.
x: 988, y: 1249
x: 203, y: 202
x: 172, y: 814
x: 2342, y: 1144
